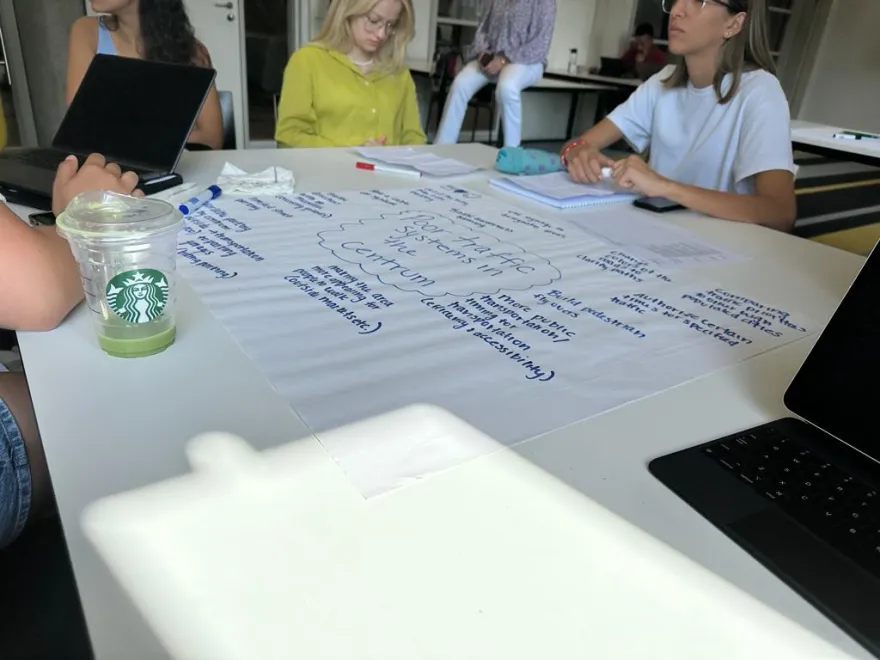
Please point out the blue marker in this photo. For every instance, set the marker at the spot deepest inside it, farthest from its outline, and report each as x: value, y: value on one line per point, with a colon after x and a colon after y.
x: 198, y: 201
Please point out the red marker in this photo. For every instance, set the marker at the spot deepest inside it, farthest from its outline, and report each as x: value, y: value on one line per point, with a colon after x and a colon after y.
x: 390, y: 169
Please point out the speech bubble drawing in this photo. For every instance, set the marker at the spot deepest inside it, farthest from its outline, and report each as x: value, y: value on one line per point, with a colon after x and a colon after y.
x: 428, y: 253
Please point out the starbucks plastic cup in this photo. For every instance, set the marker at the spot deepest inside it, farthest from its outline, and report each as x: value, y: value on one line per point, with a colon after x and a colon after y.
x: 126, y: 248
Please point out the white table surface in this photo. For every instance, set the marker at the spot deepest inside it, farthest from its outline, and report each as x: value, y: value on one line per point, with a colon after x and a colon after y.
x: 110, y: 425
x: 819, y: 135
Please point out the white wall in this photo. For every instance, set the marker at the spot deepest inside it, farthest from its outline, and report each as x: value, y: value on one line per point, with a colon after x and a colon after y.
x: 419, y: 47
x: 574, y: 24
x: 613, y: 29
x: 844, y: 86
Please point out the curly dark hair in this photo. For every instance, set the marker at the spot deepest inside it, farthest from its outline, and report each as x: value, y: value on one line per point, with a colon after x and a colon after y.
x: 167, y: 34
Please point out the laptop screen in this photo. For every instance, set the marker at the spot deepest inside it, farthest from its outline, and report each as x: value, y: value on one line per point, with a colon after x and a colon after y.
x: 134, y: 111
x: 837, y: 388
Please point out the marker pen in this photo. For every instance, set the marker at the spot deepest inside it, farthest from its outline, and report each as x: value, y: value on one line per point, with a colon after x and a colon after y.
x: 198, y: 201
x: 390, y: 169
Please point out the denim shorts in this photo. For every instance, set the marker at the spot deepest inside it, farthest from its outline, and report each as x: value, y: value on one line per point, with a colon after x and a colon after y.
x: 15, y: 479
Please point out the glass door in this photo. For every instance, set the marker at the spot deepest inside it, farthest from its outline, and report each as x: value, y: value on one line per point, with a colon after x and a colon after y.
x: 266, y: 54
x: 274, y: 29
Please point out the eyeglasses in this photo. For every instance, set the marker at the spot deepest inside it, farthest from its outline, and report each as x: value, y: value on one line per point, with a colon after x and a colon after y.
x: 698, y: 4
x: 376, y: 24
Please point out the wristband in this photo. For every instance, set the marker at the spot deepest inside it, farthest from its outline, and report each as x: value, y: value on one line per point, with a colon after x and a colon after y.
x: 564, y: 155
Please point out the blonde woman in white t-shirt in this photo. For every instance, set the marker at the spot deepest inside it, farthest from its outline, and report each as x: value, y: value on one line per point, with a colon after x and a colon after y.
x: 718, y: 124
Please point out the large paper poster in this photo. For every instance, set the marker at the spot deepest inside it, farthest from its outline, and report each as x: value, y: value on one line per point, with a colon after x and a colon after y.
x: 358, y: 303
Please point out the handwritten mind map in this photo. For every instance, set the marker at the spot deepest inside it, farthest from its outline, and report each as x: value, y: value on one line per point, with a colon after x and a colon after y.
x: 358, y: 303
x: 412, y: 251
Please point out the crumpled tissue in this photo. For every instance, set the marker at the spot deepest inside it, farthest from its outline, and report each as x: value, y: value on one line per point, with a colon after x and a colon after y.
x: 271, y: 181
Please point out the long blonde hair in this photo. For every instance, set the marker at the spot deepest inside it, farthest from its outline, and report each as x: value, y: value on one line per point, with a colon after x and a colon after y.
x: 747, y: 50
x: 336, y: 32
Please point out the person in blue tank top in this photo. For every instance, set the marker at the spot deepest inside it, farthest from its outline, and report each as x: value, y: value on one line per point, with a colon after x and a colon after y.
x: 157, y: 30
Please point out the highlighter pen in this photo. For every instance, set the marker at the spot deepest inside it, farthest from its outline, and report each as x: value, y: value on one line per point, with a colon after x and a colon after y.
x: 198, y: 201
x: 854, y: 135
x: 371, y: 167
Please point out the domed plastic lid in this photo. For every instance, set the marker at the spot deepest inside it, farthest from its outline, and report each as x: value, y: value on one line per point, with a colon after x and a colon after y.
x: 108, y: 215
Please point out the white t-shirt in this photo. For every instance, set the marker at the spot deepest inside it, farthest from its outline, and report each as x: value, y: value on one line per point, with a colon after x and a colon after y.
x: 697, y: 141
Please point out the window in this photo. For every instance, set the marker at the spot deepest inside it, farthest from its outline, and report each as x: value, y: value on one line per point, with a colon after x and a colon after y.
x: 651, y: 11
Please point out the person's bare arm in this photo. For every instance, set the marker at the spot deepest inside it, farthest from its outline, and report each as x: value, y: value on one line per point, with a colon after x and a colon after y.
x: 586, y: 160
x: 209, y: 124
x: 81, y: 47
x: 601, y: 136
x: 39, y: 284
x: 773, y: 204
x: 39, y: 278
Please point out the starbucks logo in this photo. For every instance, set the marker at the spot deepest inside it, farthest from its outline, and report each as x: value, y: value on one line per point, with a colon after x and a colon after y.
x: 138, y: 296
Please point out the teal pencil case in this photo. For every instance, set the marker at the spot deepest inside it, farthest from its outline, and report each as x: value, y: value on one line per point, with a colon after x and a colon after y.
x: 519, y: 160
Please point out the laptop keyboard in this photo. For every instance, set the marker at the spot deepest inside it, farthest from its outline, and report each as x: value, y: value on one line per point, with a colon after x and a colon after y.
x: 49, y: 159
x: 824, y: 498
x: 45, y: 159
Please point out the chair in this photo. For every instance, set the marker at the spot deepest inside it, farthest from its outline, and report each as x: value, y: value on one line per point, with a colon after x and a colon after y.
x: 227, y: 111
x: 483, y: 99
x: 446, y: 66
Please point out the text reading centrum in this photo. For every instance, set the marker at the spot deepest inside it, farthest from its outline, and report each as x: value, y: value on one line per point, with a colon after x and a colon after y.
x: 466, y: 249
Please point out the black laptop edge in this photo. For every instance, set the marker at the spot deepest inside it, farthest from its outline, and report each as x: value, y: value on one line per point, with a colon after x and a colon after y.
x: 111, y: 157
x: 845, y: 592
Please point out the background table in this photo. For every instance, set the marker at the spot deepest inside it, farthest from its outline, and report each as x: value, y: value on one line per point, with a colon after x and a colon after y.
x: 819, y: 139
x: 624, y: 83
x: 110, y: 425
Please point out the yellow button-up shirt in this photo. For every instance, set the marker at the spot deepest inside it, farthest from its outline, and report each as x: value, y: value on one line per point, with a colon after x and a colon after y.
x: 326, y: 101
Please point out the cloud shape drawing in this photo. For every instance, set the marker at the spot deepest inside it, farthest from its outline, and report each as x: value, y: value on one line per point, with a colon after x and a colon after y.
x: 432, y: 254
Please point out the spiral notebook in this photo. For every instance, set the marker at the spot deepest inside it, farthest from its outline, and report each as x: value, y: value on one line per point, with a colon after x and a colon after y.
x: 559, y: 191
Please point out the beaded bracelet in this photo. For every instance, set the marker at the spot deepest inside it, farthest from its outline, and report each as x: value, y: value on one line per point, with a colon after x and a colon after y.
x: 564, y: 155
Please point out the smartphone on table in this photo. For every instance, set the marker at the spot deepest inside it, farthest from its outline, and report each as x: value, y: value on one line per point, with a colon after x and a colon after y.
x: 41, y: 219
x: 657, y: 204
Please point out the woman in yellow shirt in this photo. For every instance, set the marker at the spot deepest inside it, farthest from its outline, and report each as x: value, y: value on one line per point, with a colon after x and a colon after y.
x: 350, y: 87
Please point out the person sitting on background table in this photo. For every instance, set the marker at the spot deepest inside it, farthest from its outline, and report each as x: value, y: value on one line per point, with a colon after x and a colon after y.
x: 718, y: 124
x: 156, y: 30
x: 350, y: 86
x: 643, y: 56
x: 39, y: 285
x: 510, y: 48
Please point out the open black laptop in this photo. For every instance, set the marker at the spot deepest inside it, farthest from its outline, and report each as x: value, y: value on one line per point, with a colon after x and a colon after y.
x: 803, y: 497
x: 135, y: 112
x: 614, y: 67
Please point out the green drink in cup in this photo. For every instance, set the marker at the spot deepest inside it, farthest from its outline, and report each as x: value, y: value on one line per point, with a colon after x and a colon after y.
x: 126, y: 248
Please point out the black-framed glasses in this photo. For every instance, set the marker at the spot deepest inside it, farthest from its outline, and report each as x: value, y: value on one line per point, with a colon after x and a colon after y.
x: 700, y: 4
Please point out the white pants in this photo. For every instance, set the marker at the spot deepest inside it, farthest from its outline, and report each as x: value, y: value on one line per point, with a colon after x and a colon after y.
x: 508, y: 97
